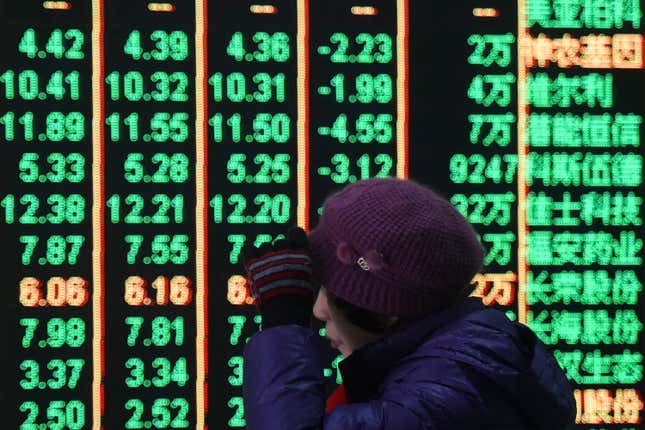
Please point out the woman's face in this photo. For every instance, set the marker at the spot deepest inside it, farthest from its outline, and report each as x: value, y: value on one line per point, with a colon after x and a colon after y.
x: 344, y: 336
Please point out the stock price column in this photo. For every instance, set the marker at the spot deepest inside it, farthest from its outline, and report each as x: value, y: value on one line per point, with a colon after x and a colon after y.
x: 149, y: 215
x: 352, y: 93
x: 45, y: 202
x: 484, y: 164
x: 252, y: 114
x: 354, y: 108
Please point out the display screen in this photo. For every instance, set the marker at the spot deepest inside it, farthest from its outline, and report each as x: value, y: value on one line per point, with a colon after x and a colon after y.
x: 143, y: 144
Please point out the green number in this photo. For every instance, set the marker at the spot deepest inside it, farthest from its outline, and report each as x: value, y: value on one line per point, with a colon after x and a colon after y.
x: 166, y: 127
x: 75, y: 51
x: 237, y: 240
x: 55, y: 85
x: 341, y: 165
x: 70, y: 126
x: 7, y: 79
x: 274, y: 127
x: 339, y: 128
x: 340, y: 54
x: 29, y: 422
x: 160, y: 249
x: 179, y: 93
x: 365, y: 88
x: 263, y: 41
x: 280, y: 47
x: 179, y: 249
x: 165, y: 203
x: 237, y: 363
x: 56, y: 410
x: 263, y: 93
x: 114, y: 203
x: 132, y: 45
x: 135, y: 241
x: 28, y: 84
x: 179, y: 374
x: 33, y: 204
x: 30, y: 242
x: 133, y: 86
x: 162, y: 48
x: 236, y: 87
x: 278, y: 206
x: 132, y: 122
x: 8, y: 120
x: 115, y: 84
x: 383, y: 128
x: 217, y: 204
x: 8, y: 203
x: 385, y: 161
x: 161, y: 413
x: 55, y: 44
x: 56, y: 332
x: 137, y: 202
x: 74, y: 332
x: 179, y: 165
x: 28, y: 167
x: 280, y: 168
x: 178, y: 325
x: 56, y: 249
x: 216, y: 81
x: 265, y: 161
x: 338, y: 82
x: 236, y: 169
x: 384, y: 43
x: 238, y: 322
x: 136, y: 377
x: 235, y: 47
x: 365, y: 127
x: 178, y: 41
x: 76, y: 365
x: 113, y: 120
x: 31, y: 369
x: 180, y: 420
x: 133, y: 169
x: 57, y: 203
x: 239, y: 201
x: 135, y: 327
x: 135, y: 420
x: 237, y: 420
x: 365, y: 56
x: 59, y: 374
x: 162, y: 365
x: 27, y: 44
x: 57, y: 161
x: 30, y: 325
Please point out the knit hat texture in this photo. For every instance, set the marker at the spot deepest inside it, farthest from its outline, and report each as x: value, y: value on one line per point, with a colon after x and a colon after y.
x: 394, y: 247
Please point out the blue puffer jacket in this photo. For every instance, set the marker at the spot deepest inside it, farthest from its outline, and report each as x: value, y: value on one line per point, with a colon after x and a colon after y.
x: 468, y: 367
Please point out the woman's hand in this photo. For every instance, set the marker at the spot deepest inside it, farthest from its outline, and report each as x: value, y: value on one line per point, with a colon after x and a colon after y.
x: 279, y: 278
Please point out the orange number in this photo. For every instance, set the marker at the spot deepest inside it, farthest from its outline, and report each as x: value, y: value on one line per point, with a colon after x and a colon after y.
x: 161, y: 285
x: 180, y: 291
x: 30, y: 294
x: 135, y: 291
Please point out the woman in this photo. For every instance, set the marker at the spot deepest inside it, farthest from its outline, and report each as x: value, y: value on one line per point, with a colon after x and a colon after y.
x: 394, y: 261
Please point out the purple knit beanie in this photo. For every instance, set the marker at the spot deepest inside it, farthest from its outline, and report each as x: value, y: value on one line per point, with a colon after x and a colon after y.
x: 394, y: 247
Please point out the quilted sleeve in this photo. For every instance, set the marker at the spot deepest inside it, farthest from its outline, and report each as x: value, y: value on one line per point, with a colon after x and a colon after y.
x: 283, y: 379
x: 284, y: 390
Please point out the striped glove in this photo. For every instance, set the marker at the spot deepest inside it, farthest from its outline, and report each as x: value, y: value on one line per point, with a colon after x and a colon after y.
x: 279, y: 277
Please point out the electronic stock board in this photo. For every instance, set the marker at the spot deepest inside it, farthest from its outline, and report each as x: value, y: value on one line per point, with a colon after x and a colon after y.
x: 142, y: 144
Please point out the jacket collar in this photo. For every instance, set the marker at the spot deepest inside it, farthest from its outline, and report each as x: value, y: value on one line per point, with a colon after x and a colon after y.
x: 366, y: 368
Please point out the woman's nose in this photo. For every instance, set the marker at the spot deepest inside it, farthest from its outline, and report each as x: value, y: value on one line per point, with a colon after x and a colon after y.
x: 321, y: 311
